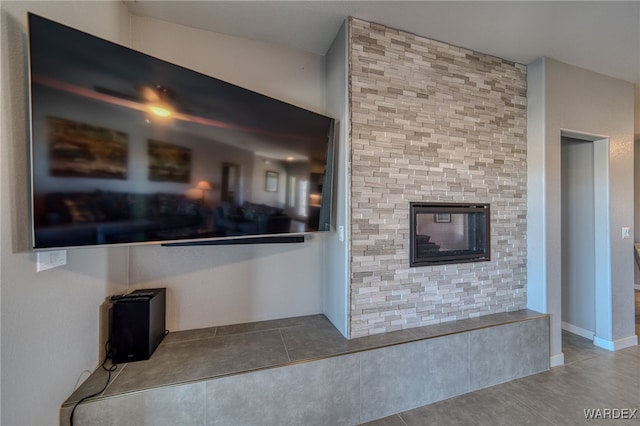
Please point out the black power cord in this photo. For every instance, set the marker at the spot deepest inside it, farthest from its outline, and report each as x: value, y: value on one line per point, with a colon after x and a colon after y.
x: 109, y: 370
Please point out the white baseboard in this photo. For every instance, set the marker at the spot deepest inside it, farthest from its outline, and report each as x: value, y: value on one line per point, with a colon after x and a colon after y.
x: 556, y: 360
x: 616, y: 345
x: 637, y: 287
x: 578, y: 330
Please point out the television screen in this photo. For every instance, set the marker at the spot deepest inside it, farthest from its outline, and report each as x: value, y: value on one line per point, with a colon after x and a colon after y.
x: 127, y: 148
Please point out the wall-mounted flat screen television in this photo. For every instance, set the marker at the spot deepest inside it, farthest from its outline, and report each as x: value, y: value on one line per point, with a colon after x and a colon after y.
x: 127, y: 148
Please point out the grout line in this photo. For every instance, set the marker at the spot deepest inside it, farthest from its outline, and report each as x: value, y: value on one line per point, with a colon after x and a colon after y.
x: 360, y: 386
x: 204, y: 403
x: 523, y: 402
x: 115, y: 376
x: 261, y: 329
x: 284, y: 344
x: 402, y: 419
x: 468, y: 350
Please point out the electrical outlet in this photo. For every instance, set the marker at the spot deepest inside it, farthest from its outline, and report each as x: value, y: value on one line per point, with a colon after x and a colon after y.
x: 50, y: 259
x: 626, y: 232
x: 341, y: 233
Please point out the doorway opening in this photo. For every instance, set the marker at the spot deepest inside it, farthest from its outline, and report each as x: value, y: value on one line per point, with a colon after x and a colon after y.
x: 230, y: 188
x: 578, y: 237
x: 585, y: 235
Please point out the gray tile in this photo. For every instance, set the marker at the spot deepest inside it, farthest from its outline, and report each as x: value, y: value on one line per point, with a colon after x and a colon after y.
x: 272, y: 324
x: 617, y: 377
x: 394, y: 420
x: 381, y: 340
x: 608, y: 380
x: 489, y: 407
x: 559, y: 396
x: 612, y: 365
x: 171, y: 405
x: 94, y: 383
x: 186, y: 335
x: 403, y: 377
x: 562, y: 395
x: 632, y: 352
x: 521, y: 314
x: 199, y: 359
x: 324, y: 392
x: 474, y: 323
x: 506, y: 352
x: 398, y: 378
x: 319, y: 340
x: 577, y: 348
x: 313, y: 342
x: 451, y: 327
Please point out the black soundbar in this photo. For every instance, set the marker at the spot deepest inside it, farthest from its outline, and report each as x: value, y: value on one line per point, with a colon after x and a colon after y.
x: 286, y: 239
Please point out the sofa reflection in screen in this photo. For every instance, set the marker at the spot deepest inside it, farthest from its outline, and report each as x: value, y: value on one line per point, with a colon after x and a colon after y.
x: 88, y: 218
x: 249, y: 219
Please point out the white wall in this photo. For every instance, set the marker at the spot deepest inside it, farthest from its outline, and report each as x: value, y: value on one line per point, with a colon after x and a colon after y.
x: 220, y: 285
x: 292, y: 76
x: 636, y: 167
x: 335, y: 296
x: 636, y: 154
x: 536, y: 201
x: 50, y: 321
x: 566, y: 98
x: 217, y: 285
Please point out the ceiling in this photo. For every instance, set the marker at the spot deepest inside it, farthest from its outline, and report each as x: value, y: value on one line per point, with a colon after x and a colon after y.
x: 599, y: 36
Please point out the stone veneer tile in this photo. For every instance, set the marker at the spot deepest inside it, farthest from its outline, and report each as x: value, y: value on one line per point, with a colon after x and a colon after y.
x: 439, y: 123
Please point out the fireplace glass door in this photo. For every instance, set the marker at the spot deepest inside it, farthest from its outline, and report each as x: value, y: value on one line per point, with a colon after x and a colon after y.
x: 449, y: 233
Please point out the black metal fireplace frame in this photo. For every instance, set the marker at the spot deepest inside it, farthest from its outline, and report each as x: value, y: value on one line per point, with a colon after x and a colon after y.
x: 416, y: 208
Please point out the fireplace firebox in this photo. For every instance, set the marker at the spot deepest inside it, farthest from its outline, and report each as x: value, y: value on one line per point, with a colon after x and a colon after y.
x: 442, y: 233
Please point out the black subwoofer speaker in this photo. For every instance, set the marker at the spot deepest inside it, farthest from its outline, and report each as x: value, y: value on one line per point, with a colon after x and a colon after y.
x: 137, y: 324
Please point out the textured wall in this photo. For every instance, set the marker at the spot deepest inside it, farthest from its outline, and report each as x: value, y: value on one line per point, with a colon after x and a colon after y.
x: 438, y: 123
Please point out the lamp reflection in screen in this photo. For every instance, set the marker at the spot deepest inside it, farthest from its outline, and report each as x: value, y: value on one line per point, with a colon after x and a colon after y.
x: 203, y: 185
x: 160, y: 110
x: 158, y: 99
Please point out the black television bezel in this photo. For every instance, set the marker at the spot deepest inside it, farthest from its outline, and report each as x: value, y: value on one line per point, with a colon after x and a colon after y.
x: 275, y: 238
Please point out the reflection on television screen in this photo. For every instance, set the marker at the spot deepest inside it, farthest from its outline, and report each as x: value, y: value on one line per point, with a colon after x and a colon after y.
x: 127, y: 148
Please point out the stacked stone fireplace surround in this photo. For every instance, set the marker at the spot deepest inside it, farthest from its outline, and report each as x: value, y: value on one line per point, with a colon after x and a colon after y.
x: 431, y: 122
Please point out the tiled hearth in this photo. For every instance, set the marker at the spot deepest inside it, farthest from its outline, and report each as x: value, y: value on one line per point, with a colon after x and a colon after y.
x: 302, y: 371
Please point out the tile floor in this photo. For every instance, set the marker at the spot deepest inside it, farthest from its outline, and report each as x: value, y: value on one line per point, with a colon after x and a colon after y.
x: 591, y: 378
